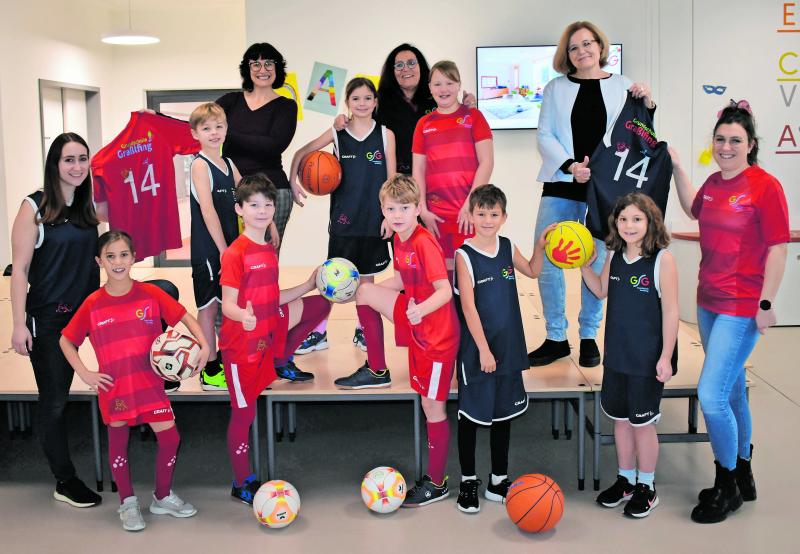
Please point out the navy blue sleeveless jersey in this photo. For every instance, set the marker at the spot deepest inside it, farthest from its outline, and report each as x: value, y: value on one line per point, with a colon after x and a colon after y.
x: 222, y: 195
x: 633, y: 337
x: 355, y: 208
x: 495, y: 288
x: 628, y: 159
x: 63, y: 271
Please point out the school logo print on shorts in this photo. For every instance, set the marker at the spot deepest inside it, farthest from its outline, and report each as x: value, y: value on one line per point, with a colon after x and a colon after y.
x: 119, y: 405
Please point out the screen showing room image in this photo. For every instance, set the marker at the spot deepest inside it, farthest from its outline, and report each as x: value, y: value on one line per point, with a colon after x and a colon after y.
x: 510, y: 81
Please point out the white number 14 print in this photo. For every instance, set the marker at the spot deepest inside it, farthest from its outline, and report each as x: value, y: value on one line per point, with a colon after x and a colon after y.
x: 641, y: 165
x: 148, y: 183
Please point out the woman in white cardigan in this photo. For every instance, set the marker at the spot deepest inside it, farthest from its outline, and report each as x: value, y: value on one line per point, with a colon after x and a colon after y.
x: 577, y: 110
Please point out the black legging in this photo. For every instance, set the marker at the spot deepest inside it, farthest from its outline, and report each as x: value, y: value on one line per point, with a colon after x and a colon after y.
x: 499, y: 438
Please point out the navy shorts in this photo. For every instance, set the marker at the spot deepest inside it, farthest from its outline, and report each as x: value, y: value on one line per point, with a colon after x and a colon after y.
x: 632, y: 398
x: 491, y: 397
x: 370, y: 255
x: 205, y: 280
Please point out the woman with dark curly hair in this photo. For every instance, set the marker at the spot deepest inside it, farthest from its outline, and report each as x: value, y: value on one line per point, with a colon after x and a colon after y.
x: 261, y: 123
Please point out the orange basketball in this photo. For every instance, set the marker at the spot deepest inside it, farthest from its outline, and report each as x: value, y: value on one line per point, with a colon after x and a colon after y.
x: 535, y: 503
x: 321, y: 173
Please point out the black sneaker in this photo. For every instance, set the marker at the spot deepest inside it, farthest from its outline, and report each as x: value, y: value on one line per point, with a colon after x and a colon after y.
x: 548, y: 352
x: 75, y: 493
x: 247, y: 491
x: 365, y: 378
x: 621, y: 491
x: 642, y: 502
x: 468, y: 496
x: 590, y: 354
x: 291, y: 372
x: 425, y: 492
x: 497, y: 493
x: 171, y: 386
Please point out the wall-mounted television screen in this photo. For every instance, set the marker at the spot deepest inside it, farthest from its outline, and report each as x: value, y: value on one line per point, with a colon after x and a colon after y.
x: 510, y: 81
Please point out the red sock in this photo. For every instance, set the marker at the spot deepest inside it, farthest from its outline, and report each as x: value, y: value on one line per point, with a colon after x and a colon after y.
x: 168, y: 442
x: 239, y: 441
x: 118, y: 459
x: 438, y: 445
x: 372, y: 324
x: 315, y: 310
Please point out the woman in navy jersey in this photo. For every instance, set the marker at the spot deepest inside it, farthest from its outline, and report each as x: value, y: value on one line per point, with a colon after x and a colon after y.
x: 53, y: 243
x: 577, y: 109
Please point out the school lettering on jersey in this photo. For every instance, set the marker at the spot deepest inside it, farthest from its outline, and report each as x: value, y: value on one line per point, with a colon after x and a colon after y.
x: 628, y: 159
x: 252, y: 269
x: 420, y: 262
x: 121, y: 330
x: 494, y: 287
x: 633, y: 336
x: 134, y: 173
x: 355, y: 207
x: 448, y: 143
x: 739, y: 218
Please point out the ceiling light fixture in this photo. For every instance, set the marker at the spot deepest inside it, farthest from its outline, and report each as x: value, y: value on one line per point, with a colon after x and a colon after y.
x: 129, y: 37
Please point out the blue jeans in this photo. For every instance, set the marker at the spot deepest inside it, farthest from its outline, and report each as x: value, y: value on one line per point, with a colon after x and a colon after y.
x: 728, y: 341
x: 551, y: 280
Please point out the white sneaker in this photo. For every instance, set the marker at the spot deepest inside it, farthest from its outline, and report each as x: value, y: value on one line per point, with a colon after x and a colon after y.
x: 172, y: 505
x: 131, y: 515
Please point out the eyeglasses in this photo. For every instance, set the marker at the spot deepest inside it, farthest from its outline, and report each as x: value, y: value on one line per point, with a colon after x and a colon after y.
x: 266, y: 64
x: 585, y: 44
x: 411, y: 64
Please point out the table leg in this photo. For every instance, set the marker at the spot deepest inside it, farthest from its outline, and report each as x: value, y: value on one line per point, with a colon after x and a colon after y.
x: 417, y: 439
x: 555, y: 417
x: 292, y: 416
x: 98, y: 463
x: 581, y: 441
x: 257, y: 445
x: 270, y: 438
x: 597, y: 439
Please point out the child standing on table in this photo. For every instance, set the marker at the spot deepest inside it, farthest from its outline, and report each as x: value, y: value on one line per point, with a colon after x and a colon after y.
x: 357, y: 230
x: 492, y: 352
x: 641, y: 352
x: 417, y: 299
x: 122, y: 319
x: 453, y: 154
x: 261, y: 324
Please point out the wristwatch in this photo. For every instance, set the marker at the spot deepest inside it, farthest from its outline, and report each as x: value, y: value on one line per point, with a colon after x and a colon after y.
x: 765, y: 305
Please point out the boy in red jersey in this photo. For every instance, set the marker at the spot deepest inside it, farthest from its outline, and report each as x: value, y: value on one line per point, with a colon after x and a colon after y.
x: 425, y: 321
x: 122, y: 319
x: 261, y: 324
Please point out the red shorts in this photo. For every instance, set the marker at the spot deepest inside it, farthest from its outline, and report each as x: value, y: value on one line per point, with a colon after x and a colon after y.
x: 135, y: 398
x: 450, y: 238
x: 248, y: 375
x: 430, y: 373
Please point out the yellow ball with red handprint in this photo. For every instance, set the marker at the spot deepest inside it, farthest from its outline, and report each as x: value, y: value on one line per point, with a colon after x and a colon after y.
x: 569, y: 245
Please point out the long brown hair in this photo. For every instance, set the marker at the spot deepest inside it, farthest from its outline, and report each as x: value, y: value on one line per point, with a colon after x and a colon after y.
x: 656, y: 237
x: 53, y: 207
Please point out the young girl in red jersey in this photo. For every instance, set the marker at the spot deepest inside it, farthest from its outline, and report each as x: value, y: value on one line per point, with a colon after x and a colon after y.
x: 641, y: 282
x: 122, y: 319
x: 453, y: 153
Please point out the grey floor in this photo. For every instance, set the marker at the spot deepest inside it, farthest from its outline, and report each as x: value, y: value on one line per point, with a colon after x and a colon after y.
x: 337, y: 444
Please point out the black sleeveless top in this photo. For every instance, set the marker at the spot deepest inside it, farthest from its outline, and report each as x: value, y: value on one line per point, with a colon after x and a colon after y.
x: 633, y: 338
x: 355, y: 208
x: 222, y: 195
x: 497, y: 301
x: 63, y: 271
x: 629, y: 159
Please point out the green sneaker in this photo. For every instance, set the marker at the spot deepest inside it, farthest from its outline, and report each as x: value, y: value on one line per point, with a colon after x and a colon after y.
x: 213, y: 382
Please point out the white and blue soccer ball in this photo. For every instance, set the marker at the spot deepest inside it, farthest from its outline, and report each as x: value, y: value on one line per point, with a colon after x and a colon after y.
x: 337, y: 280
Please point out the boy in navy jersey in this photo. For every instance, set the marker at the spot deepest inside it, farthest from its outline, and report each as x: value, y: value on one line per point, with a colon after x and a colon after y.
x: 492, y: 352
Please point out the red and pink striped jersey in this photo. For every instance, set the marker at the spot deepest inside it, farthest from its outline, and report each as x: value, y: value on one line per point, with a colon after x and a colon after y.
x: 121, y: 330
x: 448, y: 143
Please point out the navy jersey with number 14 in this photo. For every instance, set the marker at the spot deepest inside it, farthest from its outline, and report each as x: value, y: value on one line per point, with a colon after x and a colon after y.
x: 628, y: 159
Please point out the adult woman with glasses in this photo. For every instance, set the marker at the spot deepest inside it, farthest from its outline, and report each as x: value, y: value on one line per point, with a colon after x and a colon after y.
x: 577, y: 109
x: 261, y: 123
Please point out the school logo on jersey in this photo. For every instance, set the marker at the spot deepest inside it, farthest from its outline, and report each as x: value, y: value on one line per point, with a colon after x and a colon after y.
x: 465, y: 121
x: 641, y: 283
x: 375, y: 157
x: 508, y: 273
x: 144, y: 144
x: 409, y: 260
x: 737, y: 202
x: 143, y: 314
x: 644, y: 131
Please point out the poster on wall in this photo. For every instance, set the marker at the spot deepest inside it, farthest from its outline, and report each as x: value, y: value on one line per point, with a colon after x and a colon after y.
x: 292, y: 91
x: 376, y: 79
x: 325, y: 89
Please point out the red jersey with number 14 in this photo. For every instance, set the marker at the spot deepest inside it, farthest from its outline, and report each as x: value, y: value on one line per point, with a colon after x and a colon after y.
x: 134, y: 173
